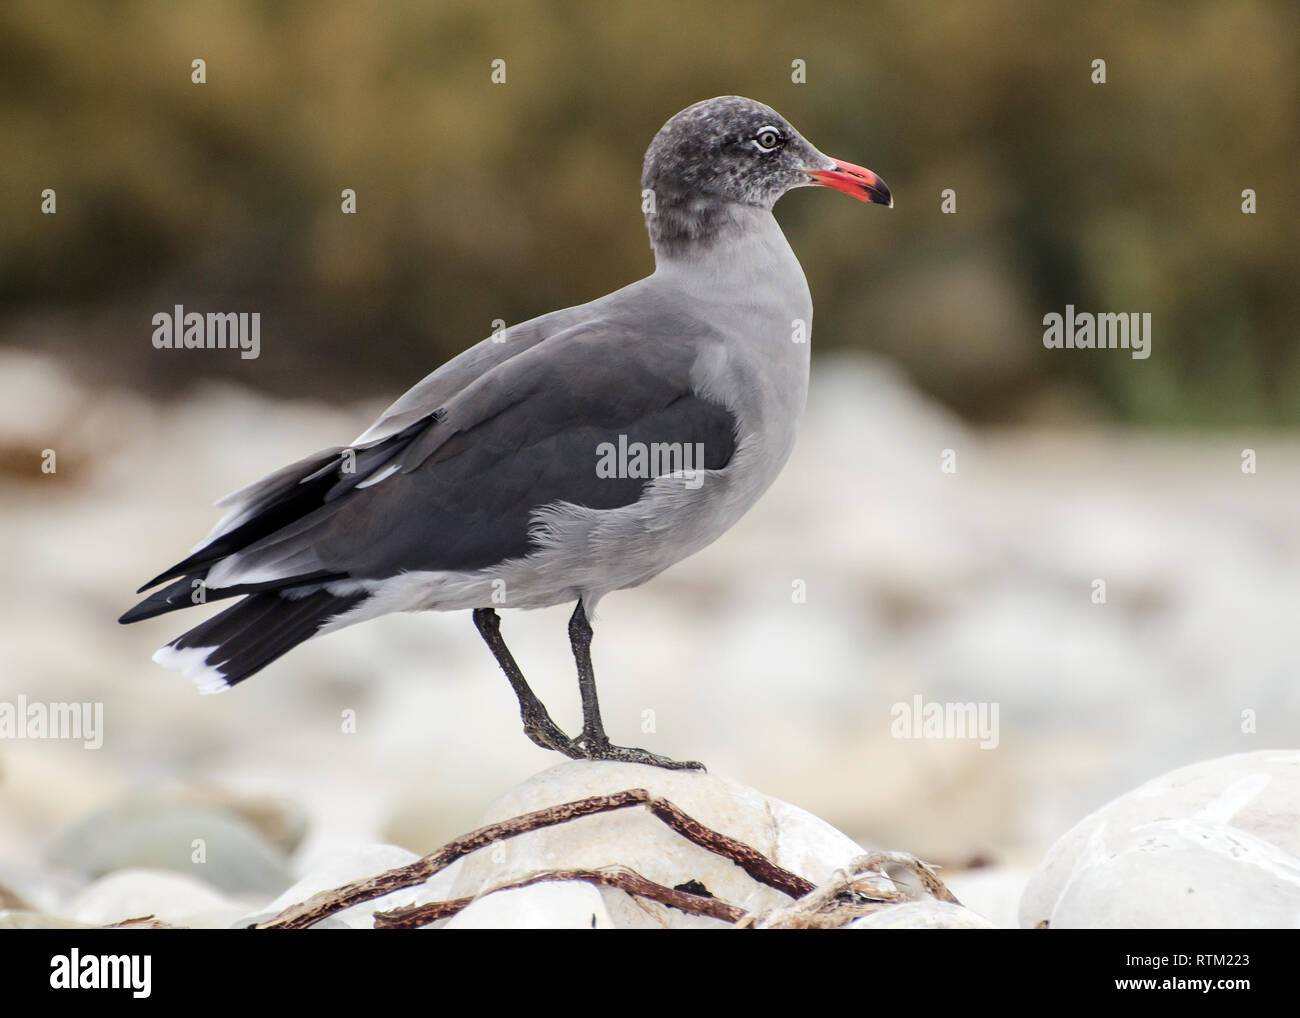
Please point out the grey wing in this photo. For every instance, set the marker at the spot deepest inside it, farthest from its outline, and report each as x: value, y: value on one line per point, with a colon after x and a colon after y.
x: 458, y: 488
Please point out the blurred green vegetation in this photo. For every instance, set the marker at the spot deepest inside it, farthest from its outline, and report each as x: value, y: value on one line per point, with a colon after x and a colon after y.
x: 479, y: 201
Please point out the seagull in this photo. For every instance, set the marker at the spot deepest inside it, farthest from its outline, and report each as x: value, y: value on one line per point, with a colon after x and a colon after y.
x: 579, y: 453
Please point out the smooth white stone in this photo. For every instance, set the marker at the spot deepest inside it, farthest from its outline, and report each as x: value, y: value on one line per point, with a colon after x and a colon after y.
x: 354, y: 864
x: 20, y: 919
x: 1216, y: 843
x: 992, y: 891
x: 168, y: 897
x: 554, y: 905
x: 632, y: 837
x: 922, y: 915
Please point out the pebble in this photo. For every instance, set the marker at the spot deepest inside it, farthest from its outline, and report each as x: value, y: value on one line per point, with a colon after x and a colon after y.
x: 1212, y: 845
x: 167, y: 832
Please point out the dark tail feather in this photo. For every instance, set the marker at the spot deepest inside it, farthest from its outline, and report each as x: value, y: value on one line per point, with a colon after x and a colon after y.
x: 182, y: 593
x: 248, y: 636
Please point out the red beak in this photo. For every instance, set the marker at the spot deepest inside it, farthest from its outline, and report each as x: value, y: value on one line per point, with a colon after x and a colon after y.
x: 857, y: 181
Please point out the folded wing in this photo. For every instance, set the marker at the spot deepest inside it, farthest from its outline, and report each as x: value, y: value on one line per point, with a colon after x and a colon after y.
x: 457, y: 489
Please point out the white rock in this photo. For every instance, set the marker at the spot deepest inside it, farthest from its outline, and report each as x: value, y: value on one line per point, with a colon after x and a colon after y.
x: 18, y: 919
x: 632, y: 837
x: 1181, y: 874
x: 1214, y: 844
x: 169, y: 897
x: 992, y: 891
x: 157, y: 830
x: 554, y: 905
x: 627, y: 912
x: 40, y: 887
x: 922, y: 915
x: 357, y: 864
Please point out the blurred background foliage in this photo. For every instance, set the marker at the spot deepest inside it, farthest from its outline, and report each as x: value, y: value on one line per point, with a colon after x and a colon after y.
x: 479, y: 201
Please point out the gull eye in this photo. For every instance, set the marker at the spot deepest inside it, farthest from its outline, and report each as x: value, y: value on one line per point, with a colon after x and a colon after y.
x: 768, y: 139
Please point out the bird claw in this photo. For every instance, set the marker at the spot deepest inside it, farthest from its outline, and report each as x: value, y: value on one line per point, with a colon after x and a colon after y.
x: 586, y: 747
x: 544, y: 732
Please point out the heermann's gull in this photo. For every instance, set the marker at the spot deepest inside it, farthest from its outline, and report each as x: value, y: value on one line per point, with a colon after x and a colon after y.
x: 581, y: 452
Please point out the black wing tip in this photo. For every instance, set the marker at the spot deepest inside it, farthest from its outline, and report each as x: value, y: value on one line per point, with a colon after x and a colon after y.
x: 179, y: 569
x: 146, y: 609
x: 161, y: 601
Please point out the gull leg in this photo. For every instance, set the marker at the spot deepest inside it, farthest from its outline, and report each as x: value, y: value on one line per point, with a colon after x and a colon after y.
x: 593, y: 743
x: 538, y: 725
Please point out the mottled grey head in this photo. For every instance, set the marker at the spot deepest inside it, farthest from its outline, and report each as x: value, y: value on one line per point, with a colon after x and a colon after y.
x: 734, y: 151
